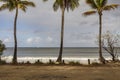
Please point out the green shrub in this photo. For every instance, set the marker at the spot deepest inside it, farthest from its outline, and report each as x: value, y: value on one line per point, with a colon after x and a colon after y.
x: 74, y: 63
x: 51, y: 62
x: 2, y: 48
x: 95, y: 63
x: 28, y: 62
x: 3, y: 62
x: 39, y: 62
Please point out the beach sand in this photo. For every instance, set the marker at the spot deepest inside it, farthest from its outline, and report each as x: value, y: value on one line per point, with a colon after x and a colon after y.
x: 12, y: 72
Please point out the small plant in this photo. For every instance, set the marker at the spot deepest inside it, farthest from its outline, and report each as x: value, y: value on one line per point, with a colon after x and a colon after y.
x: 3, y: 62
x: 51, y: 62
x: 2, y: 48
x: 95, y: 64
x: 28, y: 62
x: 63, y: 62
x: 74, y: 63
x: 39, y: 62
x: 22, y: 62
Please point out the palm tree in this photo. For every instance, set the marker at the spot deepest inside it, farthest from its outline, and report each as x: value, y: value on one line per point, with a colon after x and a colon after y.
x: 98, y: 7
x: 64, y: 5
x: 16, y: 5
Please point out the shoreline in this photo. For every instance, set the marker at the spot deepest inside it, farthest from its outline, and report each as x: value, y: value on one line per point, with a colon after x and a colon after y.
x: 53, y: 59
x: 45, y: 60
x: 108, y: 63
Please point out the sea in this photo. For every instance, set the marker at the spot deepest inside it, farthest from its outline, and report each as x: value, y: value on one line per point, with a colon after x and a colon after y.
x: 44, y: 54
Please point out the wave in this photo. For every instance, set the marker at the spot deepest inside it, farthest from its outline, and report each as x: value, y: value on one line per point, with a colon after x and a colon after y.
x: 46, y: 59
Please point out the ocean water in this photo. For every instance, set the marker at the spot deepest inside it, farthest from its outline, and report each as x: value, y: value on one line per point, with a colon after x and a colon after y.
x: 45, y: 54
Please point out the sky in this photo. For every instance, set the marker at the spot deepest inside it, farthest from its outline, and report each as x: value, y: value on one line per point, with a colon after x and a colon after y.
x: 40, y: 26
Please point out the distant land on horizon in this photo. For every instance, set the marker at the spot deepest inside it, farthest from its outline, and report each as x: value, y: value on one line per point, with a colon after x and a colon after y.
x: 56, y: 47
x: 53, y: 47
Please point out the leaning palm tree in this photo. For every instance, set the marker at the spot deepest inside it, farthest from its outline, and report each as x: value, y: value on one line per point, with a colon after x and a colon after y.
x: 98, y: 7
x: 16, y: 5
x: 64, y: 5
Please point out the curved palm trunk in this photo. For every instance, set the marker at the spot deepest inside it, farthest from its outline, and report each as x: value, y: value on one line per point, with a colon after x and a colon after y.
x: 0, y: 57
x: 59, y: 59
x: 15, y: 38
x: 102, y: 60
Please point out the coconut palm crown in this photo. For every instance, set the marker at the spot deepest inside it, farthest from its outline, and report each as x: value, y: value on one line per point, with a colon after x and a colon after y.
x: 13, y: 4
x: 98, y: 6
x: 68, y: 4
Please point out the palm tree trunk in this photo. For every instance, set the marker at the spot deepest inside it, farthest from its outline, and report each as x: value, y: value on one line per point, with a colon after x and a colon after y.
x: 102, y: 60
x: 15, y: 38
x: 0, y: 57
x: 59, y: 59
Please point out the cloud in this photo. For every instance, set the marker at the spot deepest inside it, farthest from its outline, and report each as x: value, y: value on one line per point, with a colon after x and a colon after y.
x: 49, y: 39
x: 7, y: 40
x: 33, y: 40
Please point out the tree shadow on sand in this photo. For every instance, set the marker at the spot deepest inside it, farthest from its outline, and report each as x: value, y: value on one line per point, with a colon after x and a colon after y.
x: 47, y: 77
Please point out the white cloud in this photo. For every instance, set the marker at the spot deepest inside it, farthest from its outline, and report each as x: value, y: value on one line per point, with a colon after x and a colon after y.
x: 7, y: 40
x: 49, y: 39
x: 33, y: 40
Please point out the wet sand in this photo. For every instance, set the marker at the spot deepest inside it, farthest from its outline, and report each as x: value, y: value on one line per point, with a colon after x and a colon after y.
x: 12, y: 72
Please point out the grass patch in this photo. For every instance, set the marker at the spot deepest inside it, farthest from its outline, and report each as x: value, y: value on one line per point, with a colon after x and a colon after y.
x: 51, y: 62
x: 39, y: 62
x: 2, y: 62
x: 74, y: 63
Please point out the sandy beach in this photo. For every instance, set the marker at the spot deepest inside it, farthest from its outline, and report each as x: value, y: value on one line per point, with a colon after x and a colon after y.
x: 12, y: 72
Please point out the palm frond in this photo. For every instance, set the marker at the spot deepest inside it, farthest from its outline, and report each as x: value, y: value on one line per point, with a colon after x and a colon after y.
x: 111, y: 6
x: 8, y: 6
x: 92, y: 3
x: 69, y: 4
x: 100, y: 3
x: 26, y: 3
x: 23, y: 5
x: 88, y: 1
x: 89, y: 12
x: 103, y: 3
x: 3, y: 7
x: 56, y: 5
x: 3, y: 0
